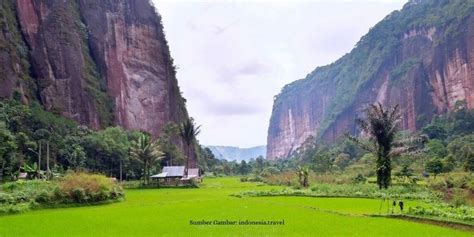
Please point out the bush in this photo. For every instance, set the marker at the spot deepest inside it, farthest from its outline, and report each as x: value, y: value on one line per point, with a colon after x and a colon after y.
x: 75, y: 188
x: 43, y: 197
x: 6, y: 198
x: 83, y: 187
x: 78, y: 195
x: 359, y: 179
x: 440, y: 210
x: 251, y: 179
x: 471, y: 186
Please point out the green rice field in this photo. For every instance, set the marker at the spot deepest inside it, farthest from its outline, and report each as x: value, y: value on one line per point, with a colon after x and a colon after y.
x: 168, y: 212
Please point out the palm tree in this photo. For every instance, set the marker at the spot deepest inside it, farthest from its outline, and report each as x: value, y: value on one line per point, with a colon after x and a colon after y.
x: 381, y: 127
x: 146, y: 152
x: 188, y: 131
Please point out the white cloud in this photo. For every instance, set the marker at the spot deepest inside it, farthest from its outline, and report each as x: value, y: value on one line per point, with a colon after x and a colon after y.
x: 233, y: 57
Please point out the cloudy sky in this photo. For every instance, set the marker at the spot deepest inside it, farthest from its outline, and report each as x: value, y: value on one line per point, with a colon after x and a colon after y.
x: 233, y: 57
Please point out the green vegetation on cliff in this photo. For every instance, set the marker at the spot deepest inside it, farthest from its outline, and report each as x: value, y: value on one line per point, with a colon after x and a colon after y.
x: 96, y: 84
x: 16, y: 52
x: 375, y: 53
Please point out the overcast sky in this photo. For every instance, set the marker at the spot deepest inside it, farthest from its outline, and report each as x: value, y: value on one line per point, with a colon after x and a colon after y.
x: 233, y: 57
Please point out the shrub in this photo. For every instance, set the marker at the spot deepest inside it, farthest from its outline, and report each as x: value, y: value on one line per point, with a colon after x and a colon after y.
x: 80, y: 188
x: 459, y: 197
x: 471, y: 186
x: 43, y: 197
x: 78, y: 195
x: 6, y: 198
x: 83, y: 187
x: 251, y: 179
x: 440, y: 210
x: 359, y: 179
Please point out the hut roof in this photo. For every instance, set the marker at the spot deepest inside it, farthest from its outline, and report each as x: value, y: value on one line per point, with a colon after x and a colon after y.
x: 170, y: 171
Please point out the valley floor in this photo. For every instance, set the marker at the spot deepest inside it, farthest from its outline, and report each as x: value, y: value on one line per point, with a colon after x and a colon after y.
x: 168, y: 212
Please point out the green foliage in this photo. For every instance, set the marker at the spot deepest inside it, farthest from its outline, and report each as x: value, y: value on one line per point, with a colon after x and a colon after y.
x: 8, y: 146
x: 29, y: 128
x: 87, y: 188
x: 352, y: 190
x: 434, y: 166
x: 244, y: 168
x: 436, y: 148
x: 188, y: 132
x: 252, y: 178
x: 73, y: 153
x: 12, y: 43
x: 448, y: 126
x: 172, y: 154
x: 407, y: 174
x: 342, y: 160
x: 108, y: 148
x: 455, y: 129
x: 303, y: 174
x: 401, y: 70
x: 434, y: 131
x: 462, y: 148
x: 75, y: 188
x: 359, y: 179
x: 147, y: 152
x: 439, y: 210
x: 381, y: 127
x: 469, y: 163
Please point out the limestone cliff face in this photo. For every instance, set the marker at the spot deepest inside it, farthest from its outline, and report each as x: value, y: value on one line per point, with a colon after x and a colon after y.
x: 425, y: 67
x: 99, y: 62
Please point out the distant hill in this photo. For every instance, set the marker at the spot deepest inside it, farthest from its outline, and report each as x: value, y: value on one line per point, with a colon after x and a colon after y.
x: 238, y: 154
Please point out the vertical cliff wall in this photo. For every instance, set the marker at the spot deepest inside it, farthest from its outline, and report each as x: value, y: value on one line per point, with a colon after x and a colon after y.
x: 421, y: 58
x: 129, y: 45
x: 15, y: 78
x: 100, y: 63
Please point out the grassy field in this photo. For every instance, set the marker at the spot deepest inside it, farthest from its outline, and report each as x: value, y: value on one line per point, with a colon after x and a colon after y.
x: 167, y: 212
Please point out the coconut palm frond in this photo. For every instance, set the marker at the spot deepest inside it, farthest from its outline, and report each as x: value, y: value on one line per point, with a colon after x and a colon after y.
x: 361, y: 143
x: 188, y: 131
x: 146, y: 152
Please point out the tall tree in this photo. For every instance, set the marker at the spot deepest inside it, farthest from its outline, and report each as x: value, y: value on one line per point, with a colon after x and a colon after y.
x: 42, y: 136
x: 146, y: 152
x: 381, y: 127
x: 188, y: 131
x: 7, y: 147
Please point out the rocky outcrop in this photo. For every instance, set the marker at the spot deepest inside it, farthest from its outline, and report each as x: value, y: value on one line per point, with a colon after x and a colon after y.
x: 15, y: 80
x: 129, y: 45
x: 426, y: 66
x: 100, y: 63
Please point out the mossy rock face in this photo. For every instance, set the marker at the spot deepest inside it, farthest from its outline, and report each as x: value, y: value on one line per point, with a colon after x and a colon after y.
x: 84, y: 60
x: 66, y: 79
x: 394, y: 63
x: 14, y: 64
